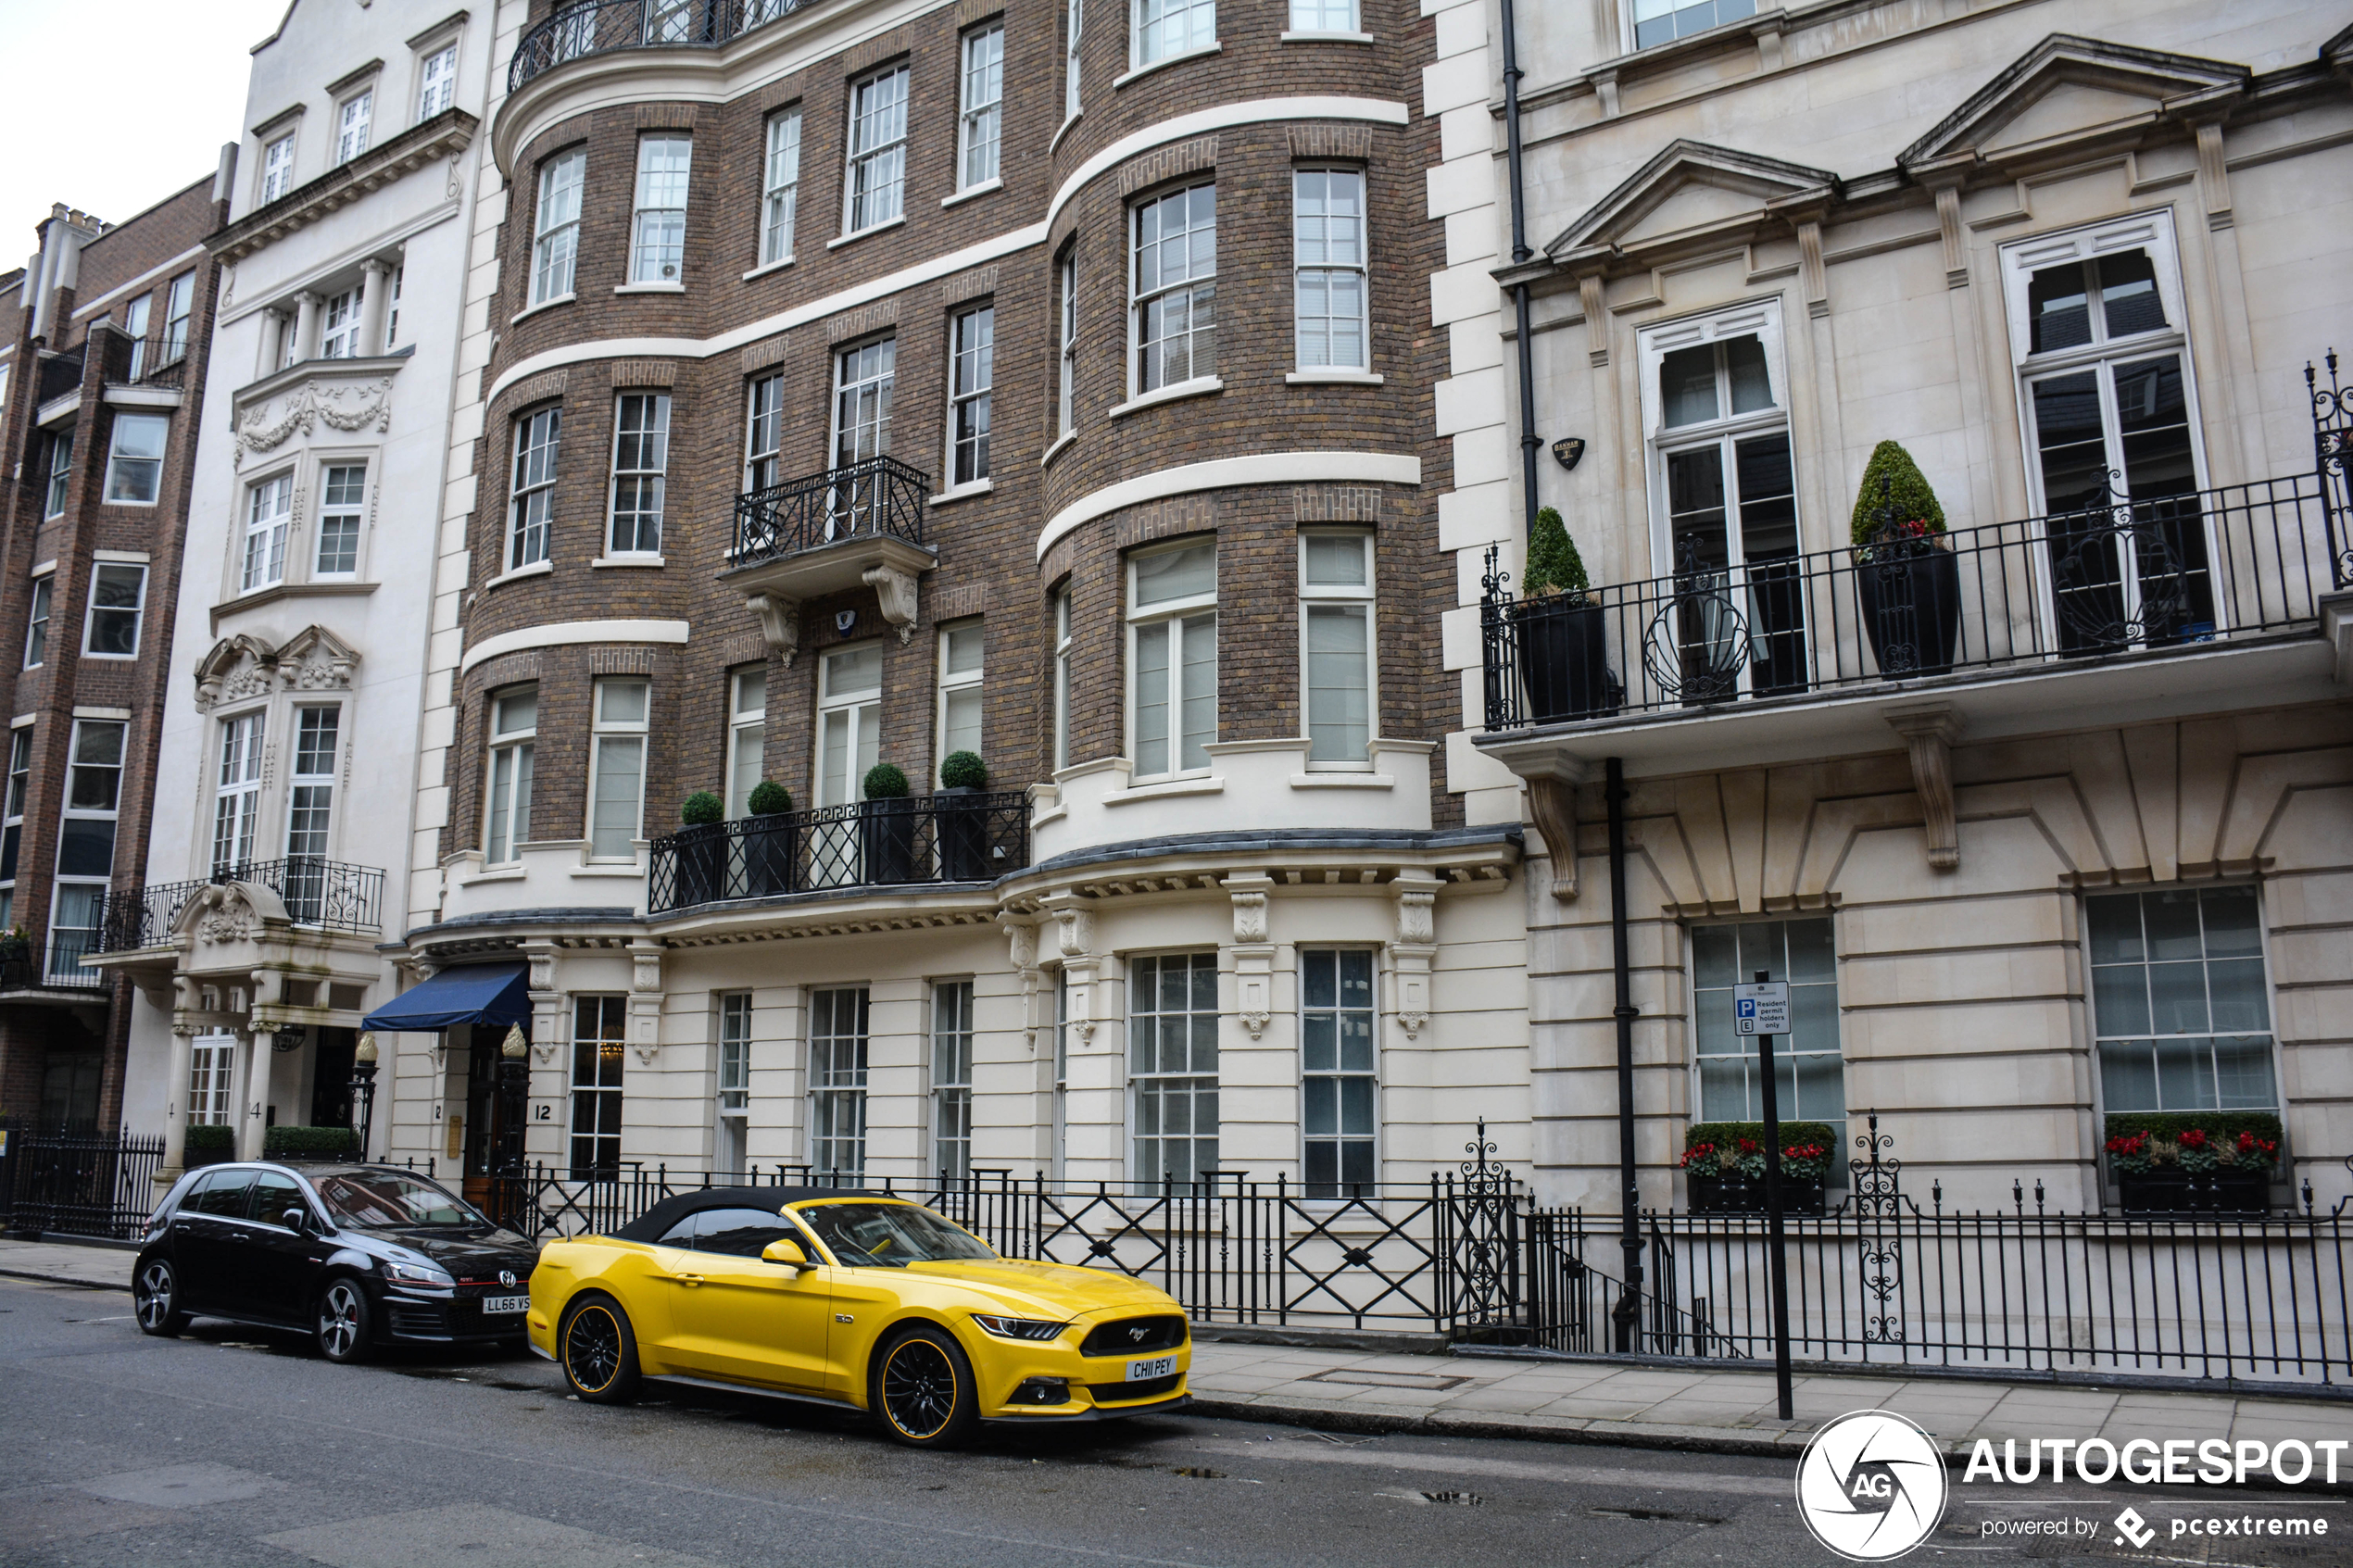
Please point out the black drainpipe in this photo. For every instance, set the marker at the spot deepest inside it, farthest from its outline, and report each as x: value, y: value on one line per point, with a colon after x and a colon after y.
x: 1529, y: 442
x: 1628, y: 1309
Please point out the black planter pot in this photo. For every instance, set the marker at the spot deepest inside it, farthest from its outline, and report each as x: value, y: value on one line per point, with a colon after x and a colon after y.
x: 772, y: 855
x: 963, y: 834
x: 1564, y: 652
x: 2236, y: 1192
x: 887, y: 838
x: 1911, y: 607
x: 1742, y: 1195
x: 702, y: 863
x: 2158, y: 1192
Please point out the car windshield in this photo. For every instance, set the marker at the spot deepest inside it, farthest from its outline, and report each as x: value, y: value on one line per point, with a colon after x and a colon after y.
x: 385, y: 1197
x: 889, y: 1234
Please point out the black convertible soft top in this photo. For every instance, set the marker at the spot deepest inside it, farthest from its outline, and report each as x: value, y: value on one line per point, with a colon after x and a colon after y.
x: 655, y: 1222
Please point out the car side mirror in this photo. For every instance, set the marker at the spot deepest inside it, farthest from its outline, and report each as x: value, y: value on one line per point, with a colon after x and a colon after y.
x: 787, y: 1252
x: 296, y: 1220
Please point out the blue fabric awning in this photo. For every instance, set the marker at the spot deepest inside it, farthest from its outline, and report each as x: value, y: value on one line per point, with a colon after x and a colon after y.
x: 490, y: 993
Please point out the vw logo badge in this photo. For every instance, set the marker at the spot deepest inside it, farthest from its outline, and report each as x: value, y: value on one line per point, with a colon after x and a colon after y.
x: 1872, y: 1485
x: 507, y: 1278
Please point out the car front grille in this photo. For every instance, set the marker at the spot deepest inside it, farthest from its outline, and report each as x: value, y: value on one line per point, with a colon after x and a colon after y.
x: 1142, y: 1389
x: 1121, y: 1339
x: 422, y: 1319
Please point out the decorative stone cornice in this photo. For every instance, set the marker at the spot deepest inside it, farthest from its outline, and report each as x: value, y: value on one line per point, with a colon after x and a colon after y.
x: 445, y: 135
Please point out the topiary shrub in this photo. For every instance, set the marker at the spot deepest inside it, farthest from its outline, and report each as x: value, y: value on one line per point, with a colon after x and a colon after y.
x: 209, y: 1143
x: 770, y: 799
x: 702, y: 809
x: 308, y: 1143
x: 964, y: 769
x: 1891, y: 480
x: 885, y: 782
x: 1553, y: 565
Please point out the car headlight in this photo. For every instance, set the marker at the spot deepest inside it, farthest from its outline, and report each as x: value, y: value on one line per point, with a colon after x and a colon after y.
x: 417, y: 1273
x: 1019, y: 1329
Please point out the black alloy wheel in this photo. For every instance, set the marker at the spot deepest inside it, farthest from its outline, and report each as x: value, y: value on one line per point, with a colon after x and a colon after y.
x: 598, y: 1351
x: 346, y: 1324
x: 156, y: 1298
x: 923, y: 1387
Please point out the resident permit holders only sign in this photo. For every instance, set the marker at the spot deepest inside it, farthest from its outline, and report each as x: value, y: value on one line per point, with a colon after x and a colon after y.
x: 1760, y: 1009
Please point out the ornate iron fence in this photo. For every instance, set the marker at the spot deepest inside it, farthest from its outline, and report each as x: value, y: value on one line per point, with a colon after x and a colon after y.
x: 81, y: 1184
x: 598, y: 27
x: 141, y: 917
x: 942, y: 837
x: 2117, y: 577
x: 877, y: 496
x: 317, y: 892
x: 2332, y: 451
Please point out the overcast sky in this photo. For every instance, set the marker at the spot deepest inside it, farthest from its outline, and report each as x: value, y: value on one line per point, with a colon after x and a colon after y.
x: 113, y: 105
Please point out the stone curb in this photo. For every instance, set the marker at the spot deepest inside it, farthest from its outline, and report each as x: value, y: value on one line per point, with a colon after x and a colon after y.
x: 64, y: 1279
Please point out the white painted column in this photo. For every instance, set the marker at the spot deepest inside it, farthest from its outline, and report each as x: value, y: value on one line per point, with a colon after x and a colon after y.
x: 175, y: 1106
x: 249, y: 1078
x: 375, y: 297
x: 305, y: 326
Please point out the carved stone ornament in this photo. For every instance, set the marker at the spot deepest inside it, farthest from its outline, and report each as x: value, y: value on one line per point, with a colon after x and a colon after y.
x: 1416, y: 898
x: 1022, y: 941
x: 646, y: 975
x: 1929, y: 733
x: 1076, y: 936
x: 1249, y: 894
x: 779, y: 623
x: 896, y: 589
x: 244, y: 667
x: 344, y: 408
x: 228, y: 921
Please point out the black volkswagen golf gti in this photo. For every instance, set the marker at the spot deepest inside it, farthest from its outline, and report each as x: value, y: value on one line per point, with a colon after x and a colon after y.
x: 358, y: 1255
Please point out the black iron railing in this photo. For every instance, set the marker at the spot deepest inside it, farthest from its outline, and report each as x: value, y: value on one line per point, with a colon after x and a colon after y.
x: 142, y: 917
x: 2333, y: 449
x: 51, y: 964
x: 81, y: 1183
x: 877, y: 496
x: 159, y: 361
x: 598, y: 27
x: 60, y: 373
x: 918, y: 838
x: 326, y: 894
x: 2120, y: 577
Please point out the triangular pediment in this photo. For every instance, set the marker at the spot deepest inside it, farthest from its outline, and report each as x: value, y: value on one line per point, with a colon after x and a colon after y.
x: 1693, y: 191
x: 2068, y: 89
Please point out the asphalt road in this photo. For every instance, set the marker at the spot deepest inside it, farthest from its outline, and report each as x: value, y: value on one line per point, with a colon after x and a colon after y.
x: 237, y: 1447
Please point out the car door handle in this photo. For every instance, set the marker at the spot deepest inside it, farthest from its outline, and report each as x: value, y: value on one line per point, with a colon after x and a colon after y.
x: 688, y: 1279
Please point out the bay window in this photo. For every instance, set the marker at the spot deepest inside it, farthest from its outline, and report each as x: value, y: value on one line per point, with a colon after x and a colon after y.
x: 658, y: 228
x: 1172, y: 659
x: 1174, y: 289
x: 514, y: 724
x: 555, y: 245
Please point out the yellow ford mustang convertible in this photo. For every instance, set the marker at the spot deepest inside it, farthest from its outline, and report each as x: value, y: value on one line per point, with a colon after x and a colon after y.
x: 858, y: 1300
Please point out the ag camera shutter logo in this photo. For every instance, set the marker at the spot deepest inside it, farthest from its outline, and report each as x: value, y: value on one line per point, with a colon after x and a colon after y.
x: 1872, y: 1485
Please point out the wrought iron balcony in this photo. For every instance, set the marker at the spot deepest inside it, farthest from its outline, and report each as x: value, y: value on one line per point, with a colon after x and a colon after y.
x: 599, y: 27
x: 326, y: 895
x: 2122, y: 577
x: 60, y: 374
x: 879, y: 498
x: 55, y: 965
x: 159, y: 361
x: 947, y: 838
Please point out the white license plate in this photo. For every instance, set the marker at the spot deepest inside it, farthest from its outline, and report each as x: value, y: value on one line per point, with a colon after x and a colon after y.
x: 505, y: 1303
x: 1159, y: 1366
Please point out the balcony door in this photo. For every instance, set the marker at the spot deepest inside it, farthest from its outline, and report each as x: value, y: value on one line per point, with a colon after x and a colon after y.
x: 862, y: 381
x: 2113, y: 455
x: 849, y: 743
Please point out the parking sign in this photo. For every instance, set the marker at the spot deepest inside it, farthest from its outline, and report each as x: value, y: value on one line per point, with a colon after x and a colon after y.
x: 1760, y: 1009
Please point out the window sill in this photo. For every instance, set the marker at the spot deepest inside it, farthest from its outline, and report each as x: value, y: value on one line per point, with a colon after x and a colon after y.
x: 1163, y: 789
x: 544, y: 305
x: 986, y: 187
x: 536, y: 568
x: 1337, y: 780
x: 628, y: 561
x: 650, y: 288
x: 1332, y: 377
x: 1062, y: 445
x: 767, y: 267
x: 330, y: 588
x: 1199, y: 386
x: 964, y: 492
x: 1064, y: 131
x: 1120, y: 81
x: 861, y: 234
x: 1326, y: 38
x: 610, y: 869
x: 110, y: 657
x: 499, y: 873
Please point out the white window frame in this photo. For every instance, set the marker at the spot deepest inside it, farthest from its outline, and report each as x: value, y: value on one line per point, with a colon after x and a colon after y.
x: 863, y: 706
x: 1785, y: 1055
x: 391, y: 306
x: 134, y: 327
x: 1717, y: 18
x: 837, y: 1078
x: 971, y: 354
x: 505, y: 808
x: 1062, y: 677
x: 60, y: 486
x: 981, y: 107
x: 1369, y: 1015
x: 609, y: 738
x: 340, y: 507
x: 1074, y: 29
x: 873, y: 187
x: 746, y: 736
x: 179, y: 305
x: 1173, y: 614
x: 1141, y: 1012
x: 130, y: 468
x: 1365, y: 597
x: 339, y: 325
x: 555, y: 242
x: 437, y: 81
x: 1067, y: 349
x: 64, y: 958
x: 1148, y: 41
x: 2104, y: 1042
x: 1324, y: 271
x: 136, y: 609
x: 210, y: 1059
x: 38, y: 612
x: 957, y: 685
x: 764, y: 431
x: 241, y: 739
x: 269, y: 523
x: 658, y: 219
x: 780, y: 187
x: 731, y: 1099
x: 952, y: 1080
x: 310, y: 788
x: 862, y: 407
x: 17, y: 789
x: 277, y: 168
x: 641, y: 466
x: 1326, y: 18
x: 597, y: 1083
x: 531, y: 506
x: 1200, y: 343
x: 354, y: 117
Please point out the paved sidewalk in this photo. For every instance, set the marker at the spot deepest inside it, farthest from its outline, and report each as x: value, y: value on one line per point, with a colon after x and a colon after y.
x: 1593, y: 1401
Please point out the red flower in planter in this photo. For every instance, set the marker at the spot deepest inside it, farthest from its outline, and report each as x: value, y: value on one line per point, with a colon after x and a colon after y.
x: 2193, y: 1138
x: 2129, y: 1142
x: 1701, y: 1152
